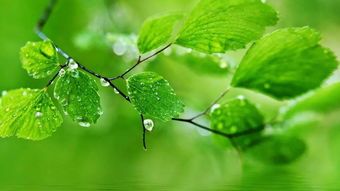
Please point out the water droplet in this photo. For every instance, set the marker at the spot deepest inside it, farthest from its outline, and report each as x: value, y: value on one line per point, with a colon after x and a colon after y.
x: 74, y: 74
x: 84, y: 124
x: 38, y: 114
x: 148, y: 124
x: 62, y: 72
x: 241, y: 97
x: 223, y: 64
x: 3, y: 93
x: 72, y: 65
x: 116, y: 91
x: 263, y: 1
x: 7, y: 109
x: 104, y: 83
x: 214, y: 107
x: 119, y: 48
x: 24, y: 93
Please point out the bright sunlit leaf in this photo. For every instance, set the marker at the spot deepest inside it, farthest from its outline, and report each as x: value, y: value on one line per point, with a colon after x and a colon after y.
x: 28, y: 114
x: 216, y: 26
x: 77, y: 94
x: 286, y: 63
x: 40, y: 59
x: 157, y: 31
x: 151, y: 94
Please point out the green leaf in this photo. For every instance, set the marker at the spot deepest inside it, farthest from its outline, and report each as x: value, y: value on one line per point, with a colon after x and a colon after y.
x: 151, y: 94
x: 157, y: 31
x: 237, y: 116
x: 286, y: 64
x: 77, y: 94
x: 324, y: 100
x: 40, y: 59
x: 28, y: 114
x: 277, y: 150
x: 216, y: 26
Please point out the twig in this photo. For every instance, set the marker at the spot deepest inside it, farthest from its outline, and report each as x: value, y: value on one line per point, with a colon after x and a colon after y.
x: 144, y: 132
x: 139, y: 61
x: 211, y: 105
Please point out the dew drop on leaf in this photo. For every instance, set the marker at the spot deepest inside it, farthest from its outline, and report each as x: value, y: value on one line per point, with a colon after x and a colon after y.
x: 62, y: 72
x: 215, y: 107
x: 38, y: 114
x: 119, y: 48
x: 3, y: 93
x: 148, y: 124
x: 241, y: 97
x: 223, y: 65
x: 72, y: 65
x: 84, y: 124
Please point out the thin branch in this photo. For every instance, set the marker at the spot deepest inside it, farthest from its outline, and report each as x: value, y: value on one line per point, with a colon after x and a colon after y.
x: 144, y: 132
x: 54, y: 77
x: 239, y: 134
x: 139, y: 61
x: 42, y: 22
x: 211, y: 105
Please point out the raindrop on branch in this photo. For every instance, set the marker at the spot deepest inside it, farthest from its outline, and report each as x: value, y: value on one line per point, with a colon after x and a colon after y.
x: 104, y: 83
x: 72, y: 65
x: 148, y: 124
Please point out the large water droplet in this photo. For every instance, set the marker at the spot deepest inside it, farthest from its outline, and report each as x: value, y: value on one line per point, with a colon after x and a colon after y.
x: 148, y: 124
x: 119, y: 48
x: 104, y: 83
x: 38, y: 114
x: 72, y: 65
x: 84, y: 124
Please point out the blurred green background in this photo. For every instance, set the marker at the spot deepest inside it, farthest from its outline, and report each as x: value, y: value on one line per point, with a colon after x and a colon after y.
x: 109, y: 155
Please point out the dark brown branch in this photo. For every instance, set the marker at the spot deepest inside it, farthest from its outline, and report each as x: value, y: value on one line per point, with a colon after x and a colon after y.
x: 144, y: 132
x: 239, y: 134
x: 139, y: 61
